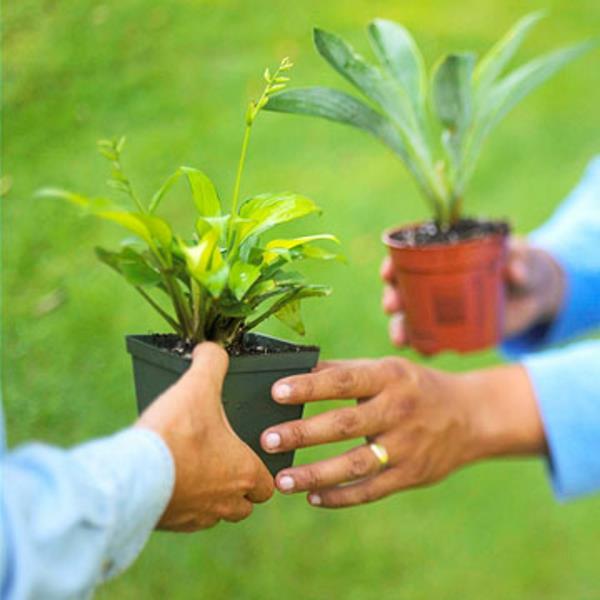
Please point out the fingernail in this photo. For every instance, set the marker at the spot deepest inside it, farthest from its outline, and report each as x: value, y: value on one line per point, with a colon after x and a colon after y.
x: 315, y: 499
x: 286, y: 483
x: 283, y: 391
x: 272, y: 440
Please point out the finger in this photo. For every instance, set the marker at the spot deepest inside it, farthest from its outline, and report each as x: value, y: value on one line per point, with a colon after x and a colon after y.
x: 387, y: 270
x: 344, y: 381
x: 263, y: 485
x: 397, y: 330
x: 335, y: 364
x: 209, y: 359
x: 334, y: 426
x: 517, y: 272
x: 391, y: 300
x: 369, y: 490
x: 358, y: 463
x: 238, y: 510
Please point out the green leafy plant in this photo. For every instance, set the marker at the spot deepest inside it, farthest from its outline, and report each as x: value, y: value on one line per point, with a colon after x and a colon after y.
x: 226, y: 279
x: 436, y: 123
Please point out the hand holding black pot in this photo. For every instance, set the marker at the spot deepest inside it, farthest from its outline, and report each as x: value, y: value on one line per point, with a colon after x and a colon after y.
x: 420, y: 424
x: 217, y: 476
x: 534, y: 291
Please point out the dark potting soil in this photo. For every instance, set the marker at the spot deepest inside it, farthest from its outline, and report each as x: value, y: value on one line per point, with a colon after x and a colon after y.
x: 247, y: 345
x: 429, y: 233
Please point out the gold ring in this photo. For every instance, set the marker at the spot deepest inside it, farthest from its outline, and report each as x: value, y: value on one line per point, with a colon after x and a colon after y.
x: 381, y: 454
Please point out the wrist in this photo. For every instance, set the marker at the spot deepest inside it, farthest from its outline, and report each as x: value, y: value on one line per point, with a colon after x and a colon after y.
x: 501, y: 413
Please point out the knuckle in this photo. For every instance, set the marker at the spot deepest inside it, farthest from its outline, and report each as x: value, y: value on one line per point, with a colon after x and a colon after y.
x: 296, y: 435
x: 344, y: 381
x: 347, y: 422
x: 310, y: 479
x: 395, y: 367
x: 358, y: 465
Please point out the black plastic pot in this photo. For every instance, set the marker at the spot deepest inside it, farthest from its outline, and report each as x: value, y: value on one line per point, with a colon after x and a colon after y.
x: 247, y: 389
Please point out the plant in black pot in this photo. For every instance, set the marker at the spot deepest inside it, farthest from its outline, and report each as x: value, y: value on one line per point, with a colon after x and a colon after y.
x: 218, y: 284
x: 449, y: 268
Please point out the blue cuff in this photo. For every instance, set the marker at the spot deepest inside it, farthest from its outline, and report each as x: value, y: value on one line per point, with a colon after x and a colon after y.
x: 568, y: 394
x: 580, y: 311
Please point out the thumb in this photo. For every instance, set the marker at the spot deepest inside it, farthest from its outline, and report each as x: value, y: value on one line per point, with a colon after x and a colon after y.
x: 209, y: 367
x: 518, y: 268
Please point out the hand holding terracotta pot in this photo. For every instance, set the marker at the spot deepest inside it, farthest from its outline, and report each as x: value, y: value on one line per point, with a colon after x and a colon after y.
x: 534, y: 286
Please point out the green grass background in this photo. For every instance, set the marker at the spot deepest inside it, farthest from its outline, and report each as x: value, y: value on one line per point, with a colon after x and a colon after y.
x: 175, y: 77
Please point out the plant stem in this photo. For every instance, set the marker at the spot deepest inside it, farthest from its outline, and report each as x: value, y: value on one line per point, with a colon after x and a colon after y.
x: 172, y: 322
x: 240, y: 169
x: 179, y: 304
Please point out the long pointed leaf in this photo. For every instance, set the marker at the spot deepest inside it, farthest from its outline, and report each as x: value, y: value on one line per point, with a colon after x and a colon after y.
x: 451, y: 91
x: 520, y: 82
x: 204, y: 193
x: 343, y: 108
x: 492, y: 65
x: 506, y: 94
x: 401, y: 58
x: 267, y: 210
x: 368, y: 79
x: 164, y: 188
x: 339, y: 106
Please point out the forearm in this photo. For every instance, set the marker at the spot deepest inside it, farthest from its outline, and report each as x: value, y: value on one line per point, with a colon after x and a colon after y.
x: 503, y: 418
x: 74, y: 518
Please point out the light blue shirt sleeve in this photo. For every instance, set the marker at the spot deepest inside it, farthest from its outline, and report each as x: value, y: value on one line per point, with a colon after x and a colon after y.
x: 572, y: 237
x: 71, y: 519
x: 565, y: 381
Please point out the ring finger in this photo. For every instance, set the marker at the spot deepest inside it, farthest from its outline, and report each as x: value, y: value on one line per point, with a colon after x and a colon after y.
x: 358, y: 463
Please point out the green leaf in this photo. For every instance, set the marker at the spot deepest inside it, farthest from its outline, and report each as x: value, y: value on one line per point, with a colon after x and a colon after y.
x: 132, y: 265
x: 316, y: 253
x: 218, y: 224
x: 158, y: 228
x: 401, y: 58
x: 84, y: 202
x: 274, y: 247
x: 147, y: 227
x: 343, y: 108
x: 290, y: 314
x: 215, y: 280
x: 205, y: 263
x: 198, y: 257
x: 298, y: 293
x: 515, y: 86
x: 520, y: 82
x: 451, y: 91
x: 268, y: 210
x: 203, y: 191
x: 236, y: 310
x: 492, y: 65
x: 164, y: 188
x: 241, y: 278
x: 370, y: 80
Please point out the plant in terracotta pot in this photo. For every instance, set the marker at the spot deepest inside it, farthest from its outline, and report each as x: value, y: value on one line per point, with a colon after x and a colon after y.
x: 449, y: 268
x: 217, y: 284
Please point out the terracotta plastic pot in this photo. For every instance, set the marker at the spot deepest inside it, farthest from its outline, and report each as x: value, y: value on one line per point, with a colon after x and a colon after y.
x: 453, y: 293
x: 246, y: 392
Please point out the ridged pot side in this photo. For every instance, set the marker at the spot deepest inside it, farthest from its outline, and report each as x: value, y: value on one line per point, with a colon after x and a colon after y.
x: 453, y: 293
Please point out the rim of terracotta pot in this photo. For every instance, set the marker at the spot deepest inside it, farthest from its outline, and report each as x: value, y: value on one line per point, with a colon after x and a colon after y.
x: 388, y: 240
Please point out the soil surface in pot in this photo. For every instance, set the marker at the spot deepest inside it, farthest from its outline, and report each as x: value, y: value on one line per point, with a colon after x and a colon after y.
x: 248, y: 345
x: 429, y: 233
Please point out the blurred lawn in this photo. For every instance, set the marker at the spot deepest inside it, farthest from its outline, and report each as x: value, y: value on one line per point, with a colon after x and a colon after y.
x: 175, y: 77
